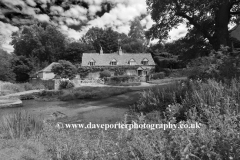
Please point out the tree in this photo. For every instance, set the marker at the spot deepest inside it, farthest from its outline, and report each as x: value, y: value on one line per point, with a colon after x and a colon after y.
x: 64, y: 69
x: 23, y: 67
x: 44, y: 43
x: 190, y: 47
x: 210, y: 18
x: 74, y: 52
x: 105, y: 38
x: 135, y: 42
x: 136, y: 30
x: 6, y: 71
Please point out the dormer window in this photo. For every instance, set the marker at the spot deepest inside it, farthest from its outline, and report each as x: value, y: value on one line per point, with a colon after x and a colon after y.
x: 113, y: 62
x: 92, y: 63
x: 145, y: 61
x: 132, y: 62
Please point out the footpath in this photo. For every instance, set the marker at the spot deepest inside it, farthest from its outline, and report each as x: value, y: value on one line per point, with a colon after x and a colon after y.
x: 13, y: 100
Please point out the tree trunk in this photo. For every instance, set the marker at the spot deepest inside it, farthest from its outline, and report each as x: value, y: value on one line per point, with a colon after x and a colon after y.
x: 222, y: 17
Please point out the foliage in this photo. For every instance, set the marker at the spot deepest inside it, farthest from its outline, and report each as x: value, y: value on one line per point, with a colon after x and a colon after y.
x: 20, y: 125
x: 64, y: 69
x: 213, y: 106
x: 221, y: 65
x: 92, y: 93
x: 45, y: 43
x: 126, y: 84
x: 105, y: 74
x: 74, y: 52
x: 6, y: 71
x: 105, y: 38
x: 84, y: 70
x: 23, y: 67
x: 190, y: 47
x: 121, y: 79
x: 135, y: 42
x: 65, y: 84
x: 159, y: 75
x: 210, y: 19
x: 110, y: 40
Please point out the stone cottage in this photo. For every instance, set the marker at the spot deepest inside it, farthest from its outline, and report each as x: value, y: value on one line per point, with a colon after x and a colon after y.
x: 46, y: 73
x: 138, y: 64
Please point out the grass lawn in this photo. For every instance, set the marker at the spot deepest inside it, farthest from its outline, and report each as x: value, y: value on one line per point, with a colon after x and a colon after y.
x: 167, y: 80
x: 127, y: 84
x: 92, y: 93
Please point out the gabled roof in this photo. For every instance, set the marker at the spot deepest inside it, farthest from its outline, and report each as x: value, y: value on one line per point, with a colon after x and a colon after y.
x: 105, y: 59
x: 235, y: 32
x: 145, y: 59
x: 48, y: 68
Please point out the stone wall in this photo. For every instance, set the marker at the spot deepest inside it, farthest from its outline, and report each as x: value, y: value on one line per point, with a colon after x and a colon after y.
x: 49, y: 84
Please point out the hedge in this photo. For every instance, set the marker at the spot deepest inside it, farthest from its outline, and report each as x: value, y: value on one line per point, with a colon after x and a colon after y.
x: 122, y: 79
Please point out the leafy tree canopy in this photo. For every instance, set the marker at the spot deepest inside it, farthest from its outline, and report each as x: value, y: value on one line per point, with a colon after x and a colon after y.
x: 210, y: 18
x: 23, y: 67
x: 44, y: 43
x: 64, y: 69
x: 105, y: 38
x: 6, y: 72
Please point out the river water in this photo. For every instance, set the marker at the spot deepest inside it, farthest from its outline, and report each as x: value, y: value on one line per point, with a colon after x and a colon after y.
x: 76, y: 111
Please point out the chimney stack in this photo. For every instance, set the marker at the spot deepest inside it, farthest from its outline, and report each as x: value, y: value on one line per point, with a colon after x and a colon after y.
x: 101, y: 51
x: 120, y: 51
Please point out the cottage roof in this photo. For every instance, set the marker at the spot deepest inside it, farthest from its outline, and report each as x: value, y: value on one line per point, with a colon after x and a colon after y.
x: 105, y: 59
x: 49, y: 67
x: 235, y: 32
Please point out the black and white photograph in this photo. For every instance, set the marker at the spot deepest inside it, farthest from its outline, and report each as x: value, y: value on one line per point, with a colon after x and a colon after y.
x: 119, y: 79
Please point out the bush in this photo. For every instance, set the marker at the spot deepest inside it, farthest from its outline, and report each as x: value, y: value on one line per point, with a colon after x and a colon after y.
x: 27, y: 86
x: 126, y: 84
x: 159, y: 75
x: 105, y: 74
x: 66, y: 84
x: 121, y: 79
x: 214, y: 106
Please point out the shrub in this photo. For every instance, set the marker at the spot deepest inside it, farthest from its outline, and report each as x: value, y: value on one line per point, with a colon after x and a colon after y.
x: 66, y: 84
x: 159, y: 75
x: 215, y: 106
x: 27, y: 86
x: 121, y: 79
x: 126, y: 84
x: 39, y: 86
x: 105, y: 74
x: 64, y: 69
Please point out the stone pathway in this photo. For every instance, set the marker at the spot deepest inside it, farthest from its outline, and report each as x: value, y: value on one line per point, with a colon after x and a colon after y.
x: 12, y: 100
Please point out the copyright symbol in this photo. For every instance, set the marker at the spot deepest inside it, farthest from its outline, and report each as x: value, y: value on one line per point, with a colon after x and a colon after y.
x: 60, y: 125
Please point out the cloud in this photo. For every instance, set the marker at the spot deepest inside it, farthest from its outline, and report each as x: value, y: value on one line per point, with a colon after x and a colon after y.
x: 119, y: 17
x: 5, y: 31
x: 42, y: 17
x: 178, y: 32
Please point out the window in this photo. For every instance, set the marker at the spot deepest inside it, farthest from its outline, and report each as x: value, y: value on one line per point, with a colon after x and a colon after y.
x: 91, y: 63
x: 145, y: 61
x: 132, y: 62
x: 113, y: 63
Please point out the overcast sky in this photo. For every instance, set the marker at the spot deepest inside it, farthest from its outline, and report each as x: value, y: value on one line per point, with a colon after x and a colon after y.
x: 119, y: 17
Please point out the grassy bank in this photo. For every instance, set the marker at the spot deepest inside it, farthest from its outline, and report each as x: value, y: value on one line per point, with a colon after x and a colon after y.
x: 92, y: 93
x: 9, y: 88
x: 215, y: 105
